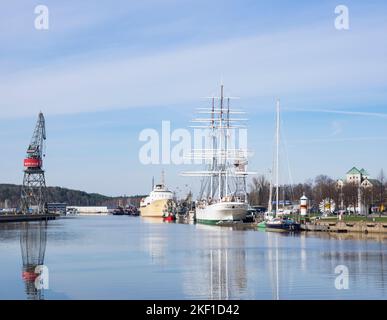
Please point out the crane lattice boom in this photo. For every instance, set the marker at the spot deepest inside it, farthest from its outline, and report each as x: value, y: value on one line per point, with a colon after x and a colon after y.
x: 33, y: 197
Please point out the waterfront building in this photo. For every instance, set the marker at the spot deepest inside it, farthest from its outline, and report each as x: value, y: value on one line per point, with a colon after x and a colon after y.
x: 358, y: 177
x: 354, y: 176
x: 362, y: 180
x: 57, y: 207
x: 89, y: 210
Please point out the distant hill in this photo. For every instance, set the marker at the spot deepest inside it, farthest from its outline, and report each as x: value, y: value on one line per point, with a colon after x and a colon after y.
x: 12, y: 193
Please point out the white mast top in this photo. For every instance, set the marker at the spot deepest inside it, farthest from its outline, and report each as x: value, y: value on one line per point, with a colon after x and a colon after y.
x: 277, y: 156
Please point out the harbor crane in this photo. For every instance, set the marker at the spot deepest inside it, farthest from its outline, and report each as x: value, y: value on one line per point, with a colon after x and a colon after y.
x: 33, y: 194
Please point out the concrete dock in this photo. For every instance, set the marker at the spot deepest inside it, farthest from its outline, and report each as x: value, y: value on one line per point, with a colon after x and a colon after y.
x: 341, y: 226
x: 27, y: 217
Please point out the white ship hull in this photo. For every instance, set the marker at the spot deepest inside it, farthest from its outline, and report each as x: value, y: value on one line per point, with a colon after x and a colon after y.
x: 223, y: 211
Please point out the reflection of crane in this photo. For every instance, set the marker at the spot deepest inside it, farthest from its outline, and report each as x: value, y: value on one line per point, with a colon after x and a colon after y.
x: 34, y: 183
x: 33, y: 239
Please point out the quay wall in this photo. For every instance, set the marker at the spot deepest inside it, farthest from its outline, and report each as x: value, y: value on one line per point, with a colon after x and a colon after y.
x: 30, y: 217
x: 341, y: 226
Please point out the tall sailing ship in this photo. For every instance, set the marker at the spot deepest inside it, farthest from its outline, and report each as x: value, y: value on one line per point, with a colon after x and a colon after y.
x: 223, y: 193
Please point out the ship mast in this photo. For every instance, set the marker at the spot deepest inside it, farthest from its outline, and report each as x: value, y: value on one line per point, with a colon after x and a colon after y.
x: 227, y: 165
x: 227, y: 136
x: 220, y: 143
x: 163, y: 177
x: 277, y: 157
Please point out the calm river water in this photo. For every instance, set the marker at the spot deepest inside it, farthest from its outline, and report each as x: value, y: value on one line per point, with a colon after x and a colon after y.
x: 121, y: 257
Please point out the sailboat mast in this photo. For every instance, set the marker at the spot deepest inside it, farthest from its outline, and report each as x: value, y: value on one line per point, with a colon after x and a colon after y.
x: 270, y: 205
x: 212, y: 148
x: 277, y: 156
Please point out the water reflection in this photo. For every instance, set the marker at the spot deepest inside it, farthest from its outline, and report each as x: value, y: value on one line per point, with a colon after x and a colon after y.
x: 33, y: 239
x: 153, y: 220
x: 119, y: 258
x: 273, y: 265
x: 220, y: 272
x: 227, y: 268
x: 153, y: 241
x: 155, y: 245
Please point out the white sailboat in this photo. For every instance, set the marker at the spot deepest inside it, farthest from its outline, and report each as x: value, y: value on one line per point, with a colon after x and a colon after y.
x: 272, y: 219
x: 223, y: 195
x: 270, y: 215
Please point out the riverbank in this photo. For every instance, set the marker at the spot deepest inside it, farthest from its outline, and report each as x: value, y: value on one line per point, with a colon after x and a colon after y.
x: 368, y: 226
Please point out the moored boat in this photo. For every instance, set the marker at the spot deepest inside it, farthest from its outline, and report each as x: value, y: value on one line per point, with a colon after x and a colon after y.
x: 169, y: 217
x: 272, y: 221
x: 284, y: 224
x: 221, y: 211
x: 261, y: 225
x: 159, y: 201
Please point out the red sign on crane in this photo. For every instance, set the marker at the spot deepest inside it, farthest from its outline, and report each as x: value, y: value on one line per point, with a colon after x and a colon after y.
x: 32, y: 163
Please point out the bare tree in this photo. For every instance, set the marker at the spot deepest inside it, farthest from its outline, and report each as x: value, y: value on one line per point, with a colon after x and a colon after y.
x: 259, y: 191
x: 324, y: 187
x: 350, y: 195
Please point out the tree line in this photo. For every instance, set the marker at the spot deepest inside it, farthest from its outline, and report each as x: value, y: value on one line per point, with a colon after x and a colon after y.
x: 318, y: 189
x: 12, y: 193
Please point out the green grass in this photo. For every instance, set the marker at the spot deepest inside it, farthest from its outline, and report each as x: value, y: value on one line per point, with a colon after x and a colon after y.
x: 356, y: 219
x: 297, y: 217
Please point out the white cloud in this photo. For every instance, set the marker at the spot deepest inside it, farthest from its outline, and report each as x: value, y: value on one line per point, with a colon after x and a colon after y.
x: 343, y: 112
x: 294, y: 62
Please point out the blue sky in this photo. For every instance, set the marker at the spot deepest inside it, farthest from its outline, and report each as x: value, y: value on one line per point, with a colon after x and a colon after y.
x: 105, y: 70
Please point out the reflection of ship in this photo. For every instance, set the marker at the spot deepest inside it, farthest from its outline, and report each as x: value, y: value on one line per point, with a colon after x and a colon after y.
x: 220, y: 272
x: 273, y: 257
x: 159, y: 203
x: 153, y: 220
x: 227, y: 273
x: 223, y: 194
x: 33, y: 239
x: 154, y: 243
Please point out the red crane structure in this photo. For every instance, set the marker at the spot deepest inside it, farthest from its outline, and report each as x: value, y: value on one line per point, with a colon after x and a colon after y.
x: 33, y: 195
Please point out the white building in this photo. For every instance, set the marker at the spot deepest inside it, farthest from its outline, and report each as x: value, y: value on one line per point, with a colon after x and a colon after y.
x: 88, y: 210
x: 362, y: 180
x: 357, y: 177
